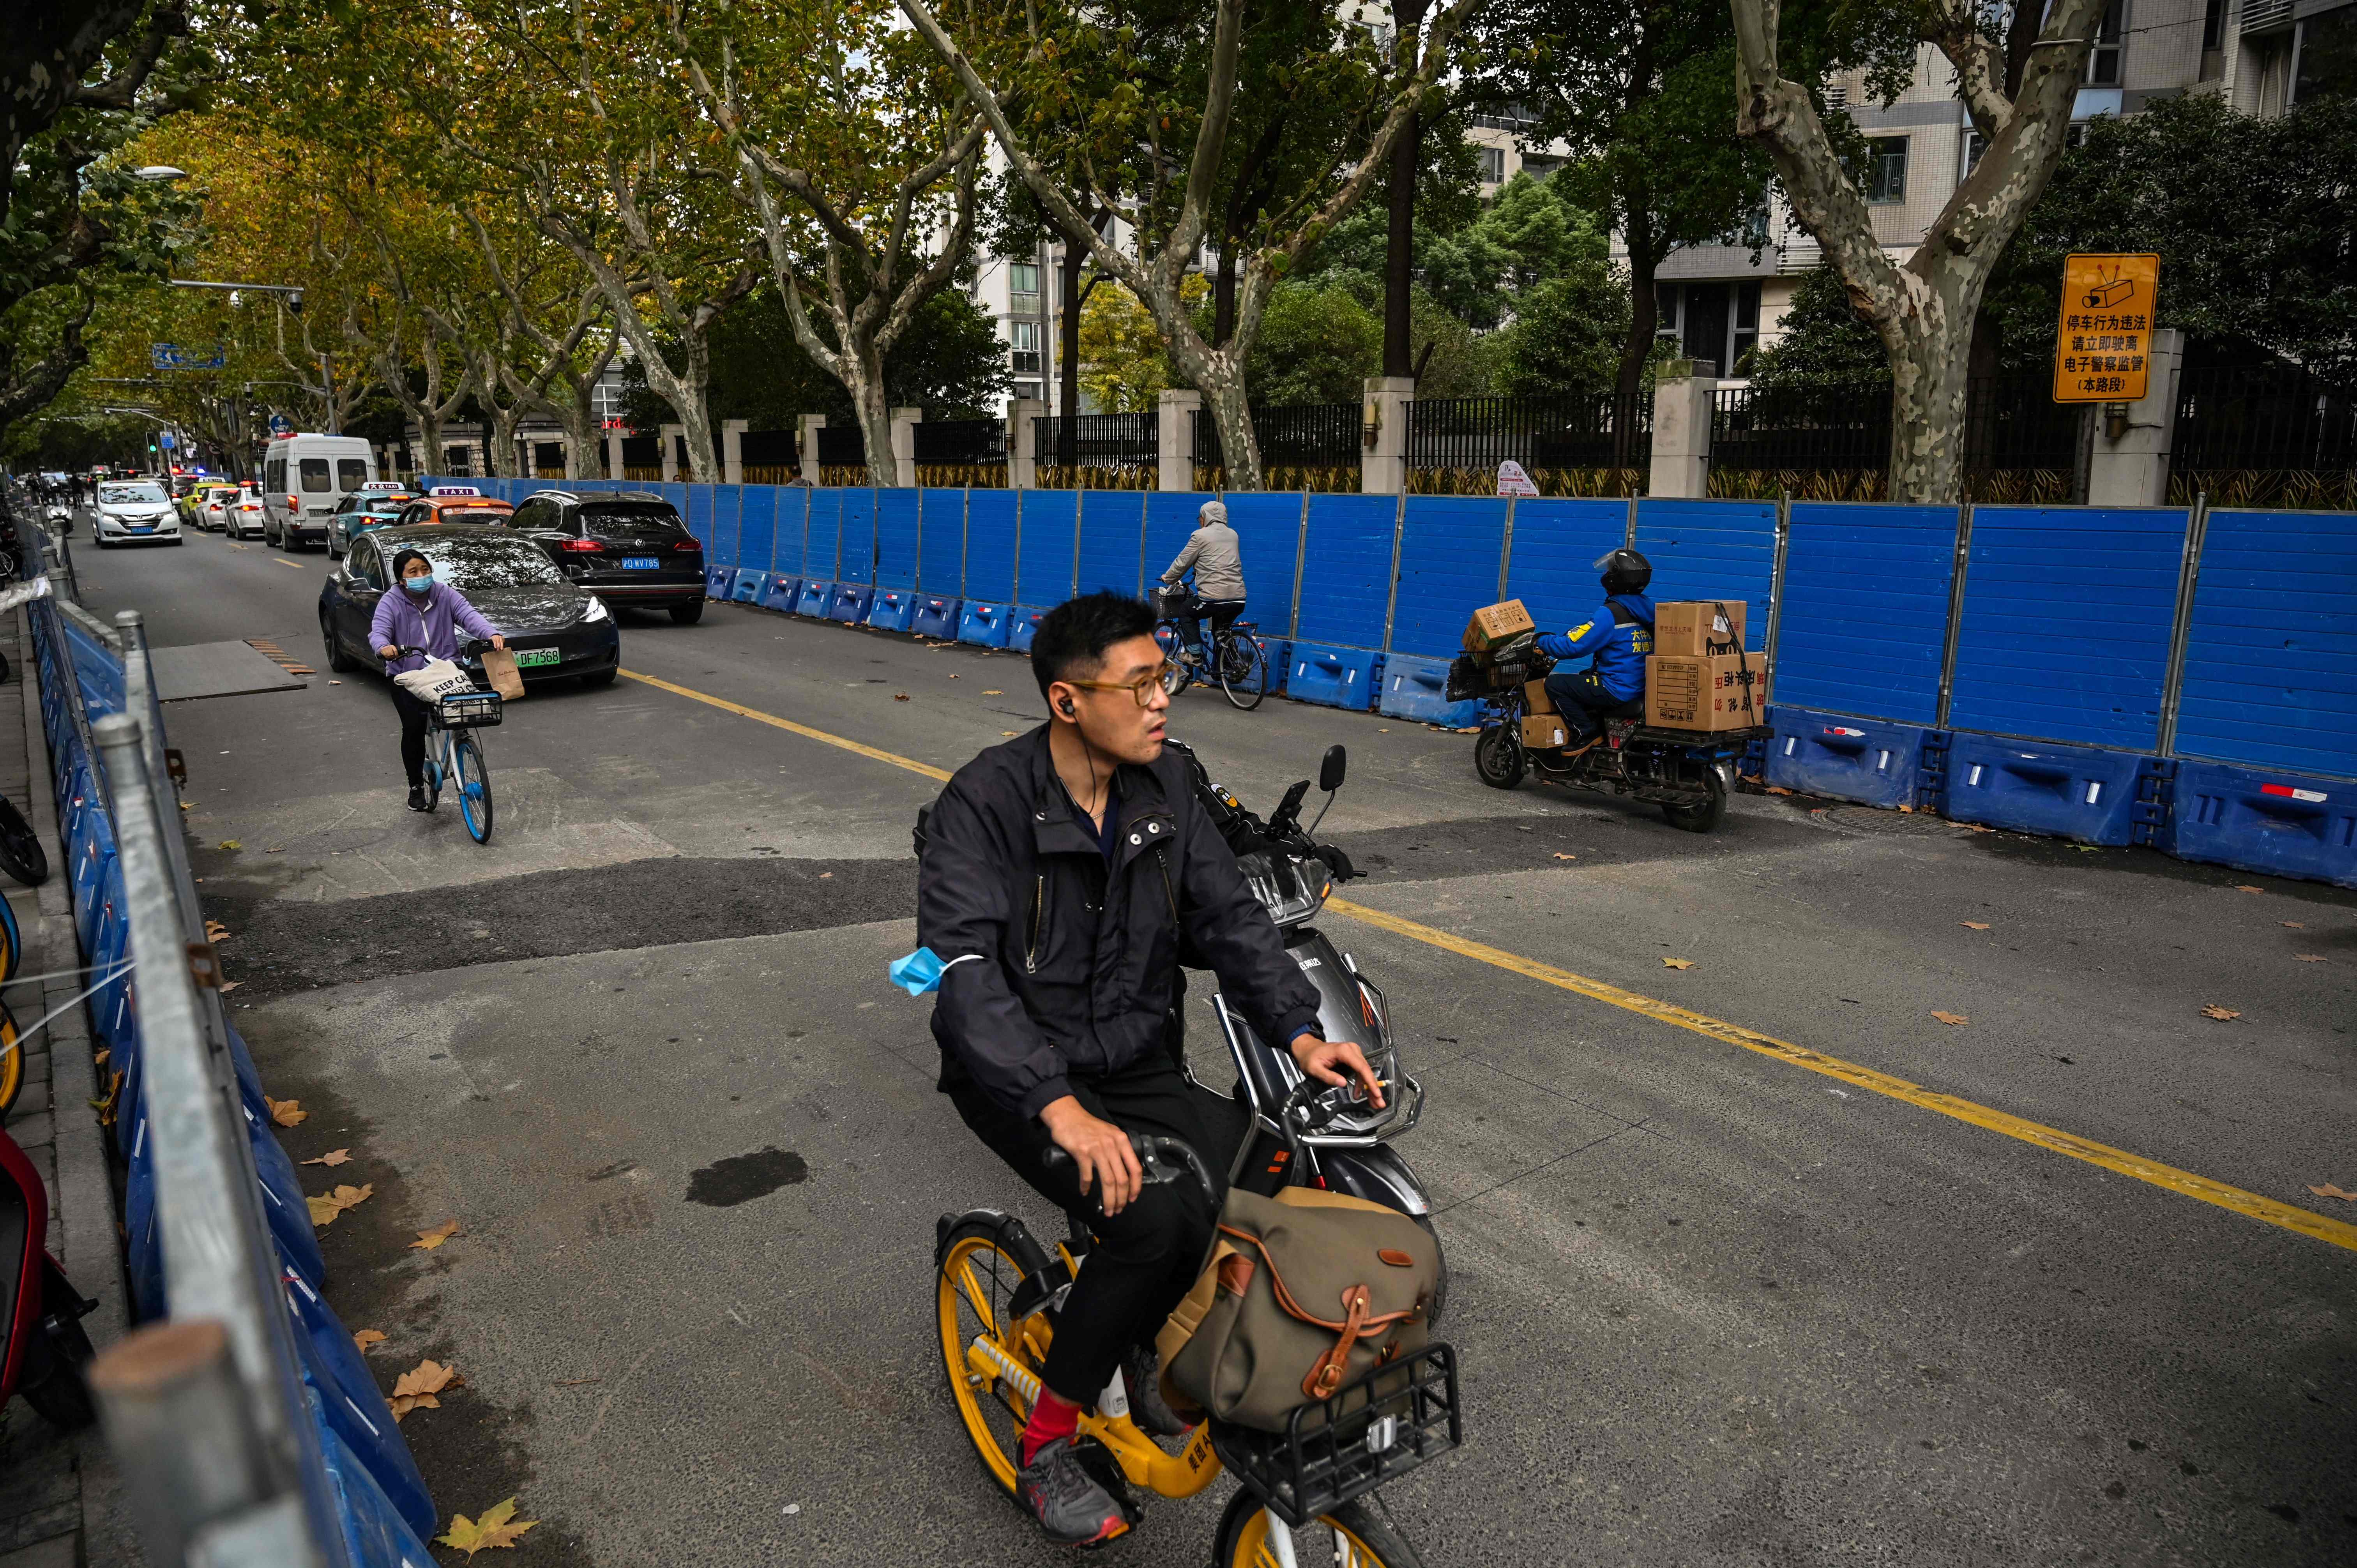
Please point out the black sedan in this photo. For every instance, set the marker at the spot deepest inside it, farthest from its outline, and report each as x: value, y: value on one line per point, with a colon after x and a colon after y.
x: 556, y: 628
x: 629, y: 549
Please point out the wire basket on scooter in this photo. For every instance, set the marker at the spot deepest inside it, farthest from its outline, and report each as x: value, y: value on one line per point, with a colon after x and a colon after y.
x: 1368, y: 1434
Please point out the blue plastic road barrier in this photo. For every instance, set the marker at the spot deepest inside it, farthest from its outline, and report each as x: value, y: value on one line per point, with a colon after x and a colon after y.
x: 1418, y: 689
x: 1449, y: 563
x: 352, y: 1406
x: 2064, y: 792
x: 718, y: 581
x: 1051, y: 532
x: 816, y: 595
x: 936, y: 617
x: 989, y: 553
x: 375, y: 1535
x: 2273, y: 643
x: 1025, y: 627
x: 1345, y: 574
x: 1865, y: 620
x: 896, y: 539
x: 1556, y: 538
x: 749, y: 587
x: 2260, y: 821
x: 984, y: 626
x: 1866, y: 760
x: 858, y: 538
x: 850, y: 603
x: 941, y: 541
x: 1333, y: 677
x: 892, y: 609
x: 1712, y: 550
x: 781, y: 595
x: 1113, y: 529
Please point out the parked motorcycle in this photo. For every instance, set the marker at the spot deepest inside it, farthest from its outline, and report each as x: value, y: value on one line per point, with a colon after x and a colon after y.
x: 1344, y: 1143
x: 42, y: 1312
x: 1688, y: 773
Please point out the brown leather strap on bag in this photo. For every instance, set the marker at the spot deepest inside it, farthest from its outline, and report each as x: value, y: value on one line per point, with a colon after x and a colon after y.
x: 1326, y: 1372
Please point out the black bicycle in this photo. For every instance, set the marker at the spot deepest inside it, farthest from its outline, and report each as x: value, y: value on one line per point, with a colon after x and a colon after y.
x: 1238, y: 661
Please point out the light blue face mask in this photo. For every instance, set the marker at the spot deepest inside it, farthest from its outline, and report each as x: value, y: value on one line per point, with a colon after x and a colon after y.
x: 922, y: 971
x: 420, y: 583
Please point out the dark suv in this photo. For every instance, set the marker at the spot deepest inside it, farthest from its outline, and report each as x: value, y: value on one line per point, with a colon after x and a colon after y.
x: 630, y: 549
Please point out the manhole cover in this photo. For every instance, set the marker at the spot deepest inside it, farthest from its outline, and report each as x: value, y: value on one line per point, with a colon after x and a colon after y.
x: 1867, y: 820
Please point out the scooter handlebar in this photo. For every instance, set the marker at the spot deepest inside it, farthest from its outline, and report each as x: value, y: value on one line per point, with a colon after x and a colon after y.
x: 1159, y: 1160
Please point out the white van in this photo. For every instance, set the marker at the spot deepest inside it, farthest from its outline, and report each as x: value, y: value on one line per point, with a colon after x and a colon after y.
x: 303, y: 477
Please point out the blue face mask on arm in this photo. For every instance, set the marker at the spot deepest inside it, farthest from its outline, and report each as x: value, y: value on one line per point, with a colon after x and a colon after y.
x: 421, y: 583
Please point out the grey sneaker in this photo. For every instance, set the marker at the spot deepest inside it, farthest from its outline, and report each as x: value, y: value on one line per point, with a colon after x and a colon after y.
x: 1066, y: 1499
x: 1141, y: 1371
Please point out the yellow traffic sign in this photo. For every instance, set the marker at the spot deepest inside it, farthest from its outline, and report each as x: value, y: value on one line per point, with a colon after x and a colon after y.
x: 2103, y: 347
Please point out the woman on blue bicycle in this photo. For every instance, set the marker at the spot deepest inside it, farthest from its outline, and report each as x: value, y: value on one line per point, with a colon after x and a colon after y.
x: 428, y: 614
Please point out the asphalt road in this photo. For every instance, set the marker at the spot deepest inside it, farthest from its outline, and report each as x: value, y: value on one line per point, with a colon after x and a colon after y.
x: 1713, y: 1306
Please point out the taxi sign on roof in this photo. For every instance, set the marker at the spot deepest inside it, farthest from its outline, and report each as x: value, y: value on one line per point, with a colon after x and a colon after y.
x: 2102, y: 344
x: 454, y: 491
x: 374, y: 484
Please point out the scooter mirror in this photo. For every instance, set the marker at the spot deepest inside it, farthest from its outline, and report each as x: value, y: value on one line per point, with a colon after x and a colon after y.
x: 1331, y: 771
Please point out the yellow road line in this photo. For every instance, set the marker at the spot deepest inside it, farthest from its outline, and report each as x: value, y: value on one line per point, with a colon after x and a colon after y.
x: 2250, y: 1205
x: 296, y: 564
x: 910, y: 763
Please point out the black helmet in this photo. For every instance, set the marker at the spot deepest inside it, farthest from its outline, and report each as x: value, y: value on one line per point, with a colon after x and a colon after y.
x: 1625, y: 571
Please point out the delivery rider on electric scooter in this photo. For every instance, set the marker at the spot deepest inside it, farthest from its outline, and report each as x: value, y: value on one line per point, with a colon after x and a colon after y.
x: 1620, y: 637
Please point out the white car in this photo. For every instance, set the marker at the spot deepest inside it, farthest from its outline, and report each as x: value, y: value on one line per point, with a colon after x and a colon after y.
x: 134, y: 510
x: 245, y: 518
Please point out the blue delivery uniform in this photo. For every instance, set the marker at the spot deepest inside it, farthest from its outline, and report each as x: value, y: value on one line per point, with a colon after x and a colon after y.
x: 1620, y: 638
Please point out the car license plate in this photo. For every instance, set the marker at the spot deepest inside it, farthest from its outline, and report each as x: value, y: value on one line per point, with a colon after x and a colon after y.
x: 529, y: 658
x: 640, y: 562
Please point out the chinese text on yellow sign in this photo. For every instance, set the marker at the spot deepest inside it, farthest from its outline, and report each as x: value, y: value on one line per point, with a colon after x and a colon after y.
x: 2103, y: 347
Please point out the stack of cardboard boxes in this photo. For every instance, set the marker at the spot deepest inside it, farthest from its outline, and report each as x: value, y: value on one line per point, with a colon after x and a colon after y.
x: 1491, y: 628
x: 1699, y: 677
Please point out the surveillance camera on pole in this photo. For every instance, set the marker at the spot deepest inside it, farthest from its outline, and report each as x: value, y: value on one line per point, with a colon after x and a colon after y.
x: 295, y: 302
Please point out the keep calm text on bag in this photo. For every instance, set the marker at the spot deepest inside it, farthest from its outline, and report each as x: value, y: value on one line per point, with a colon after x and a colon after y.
x: 1305, y: 1292
x: 438, y: 679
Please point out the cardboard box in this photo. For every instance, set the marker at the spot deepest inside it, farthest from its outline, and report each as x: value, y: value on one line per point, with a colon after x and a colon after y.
x: 1697, y: 628
x: 1545, y: 732
x: 1496, y: 625
x: 1721, y: 691
x: 1535, y: 699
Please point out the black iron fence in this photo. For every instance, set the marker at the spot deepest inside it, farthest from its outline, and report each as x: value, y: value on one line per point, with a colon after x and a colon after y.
x: 841, y: 446
x: 1602, y: 433
x: 1128, y: 441
x: 1309, y: 435
x: 2263, y: 417
x: 961, y: 441
x: 1832, y: 440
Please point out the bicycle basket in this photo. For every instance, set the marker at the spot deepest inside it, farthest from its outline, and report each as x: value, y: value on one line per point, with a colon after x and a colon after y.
x: 1368, y: 1434
x: 471, y: 710
x: 1172, y: 603
x: 1470, y: 678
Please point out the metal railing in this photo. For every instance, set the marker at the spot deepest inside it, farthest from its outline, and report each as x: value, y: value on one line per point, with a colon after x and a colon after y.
x: 2263, y: 417
x: 1099, y: 440
x: 1305, y: 435
x: 1599, y: 431
x: 841, y: 446
x: 962, y: 441
x: 2011, y: 422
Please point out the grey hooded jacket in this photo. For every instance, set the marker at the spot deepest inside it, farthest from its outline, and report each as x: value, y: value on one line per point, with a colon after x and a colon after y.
x: 1214, y: 555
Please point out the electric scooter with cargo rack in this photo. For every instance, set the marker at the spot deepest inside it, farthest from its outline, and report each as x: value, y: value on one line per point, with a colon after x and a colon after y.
x: 1688, y: 773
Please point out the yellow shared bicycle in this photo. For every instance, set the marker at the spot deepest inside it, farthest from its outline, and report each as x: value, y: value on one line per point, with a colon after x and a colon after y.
x: 1304, y: 1495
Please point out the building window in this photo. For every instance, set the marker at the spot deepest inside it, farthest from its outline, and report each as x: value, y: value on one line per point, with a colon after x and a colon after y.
x: 1886, y: 169
x: 1025, y: 336
x: 2213, y: 24
x: 2103, y: 60
x: 1539, y: 168
x: 1493, y: 165
x: 1023, y: 283
x: 1746, y: 328
x: 2327, y: 56
x: 1665, y: 311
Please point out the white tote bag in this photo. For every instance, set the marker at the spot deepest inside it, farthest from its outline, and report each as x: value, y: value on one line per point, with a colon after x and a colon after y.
x: 437, y: 680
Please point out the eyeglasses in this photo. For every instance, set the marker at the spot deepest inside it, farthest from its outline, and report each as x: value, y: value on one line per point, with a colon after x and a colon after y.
x: 1142, y: 688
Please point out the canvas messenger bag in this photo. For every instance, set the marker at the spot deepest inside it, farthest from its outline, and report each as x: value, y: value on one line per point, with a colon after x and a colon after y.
x: 1305, y: 1292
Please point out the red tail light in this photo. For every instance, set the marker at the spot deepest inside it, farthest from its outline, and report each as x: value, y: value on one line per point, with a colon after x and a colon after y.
x: 585, y: 546
x: 689, y: 544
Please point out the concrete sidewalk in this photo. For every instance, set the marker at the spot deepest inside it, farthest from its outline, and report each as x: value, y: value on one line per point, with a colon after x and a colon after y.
x: 59, y: 1502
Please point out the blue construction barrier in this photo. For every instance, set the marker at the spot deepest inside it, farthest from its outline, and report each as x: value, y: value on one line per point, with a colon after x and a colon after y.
x: 1047, y: 547
x: 1346, y: 572
x: 936, y: 617
x: 749, y: 587
x: 2062, y: 791
x: 988, y: 570
x: 718, y: 581
x: 1868, y: 760
x: 1550, y: 565
x: 1864, y: 618
x: 1113, y: 535
x: 355, y: 1408
x: 1451, y: 554
x: 781, y: 594
x: 851, y: 602
x: 816, y: 596
x: 896, y: 534
x: 982, y: 624
x: 2258, y: 820
x: 1712, y: 550
x: 375, y: 1535
x: 891, y: 609
x: 2271, y: 644
x: 1333, y: 677
x: 1023, y: 629
x: 1418, y: 689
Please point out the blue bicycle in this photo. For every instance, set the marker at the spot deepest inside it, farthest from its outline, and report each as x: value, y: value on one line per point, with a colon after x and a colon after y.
x: 456, y: 756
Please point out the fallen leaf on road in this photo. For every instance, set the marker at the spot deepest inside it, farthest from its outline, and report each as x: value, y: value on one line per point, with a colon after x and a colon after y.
x: 2309, y: 957
x: 286, y: 1112
x: 1908, y: 810
x: 1677, y: 963
x: 2246, y: 887
x: 2212, y: 1010
x: 1973, y: 925
x: 826, y: 876
x: 324, y: 1210
x: 332, y: 1158
x: 1778, y: 789
x: 899, y: 696
x: 2092, y: 849
x: 231, y: 844
x: 417, y: 1387
x: 1560, y: 856
x: 100, y: 1059
x: 1009, y: 733
x: 364, y: 1338
x: 229, y: 985
x: 471, y: 1535
x: 952, y: 677
x: 2294, y: 925
x: 429, y: 1239
x: 1951, y: 1017
x: 2328, y: 1190
x: 216, y: 932
x: 993, y: 691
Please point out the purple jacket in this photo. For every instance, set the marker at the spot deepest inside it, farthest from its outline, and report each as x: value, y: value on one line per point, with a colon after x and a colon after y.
x: 428, y: 620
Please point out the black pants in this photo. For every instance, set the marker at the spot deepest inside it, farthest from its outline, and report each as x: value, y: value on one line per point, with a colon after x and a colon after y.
x: 1584, y: 703
x: 1224, y: 614
x: 1147, y: 1256
x: 413, y: 714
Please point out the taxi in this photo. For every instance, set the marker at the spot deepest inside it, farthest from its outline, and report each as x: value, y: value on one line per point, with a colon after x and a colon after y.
x: 378, y: 504
x: 456, y: 504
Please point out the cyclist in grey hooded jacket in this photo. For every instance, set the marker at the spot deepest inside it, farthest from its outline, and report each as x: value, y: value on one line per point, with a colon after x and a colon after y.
x: 1214, y: 557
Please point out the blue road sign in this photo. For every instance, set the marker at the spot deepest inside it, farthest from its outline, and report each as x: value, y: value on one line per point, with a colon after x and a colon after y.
x: 172, y: 356
x: 281, y: 425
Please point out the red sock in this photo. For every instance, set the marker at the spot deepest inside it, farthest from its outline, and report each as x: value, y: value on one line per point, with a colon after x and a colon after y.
x: 1051, y: 1418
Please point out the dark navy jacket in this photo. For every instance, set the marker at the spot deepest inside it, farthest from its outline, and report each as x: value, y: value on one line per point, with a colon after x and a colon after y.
x: 1620, y: 637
